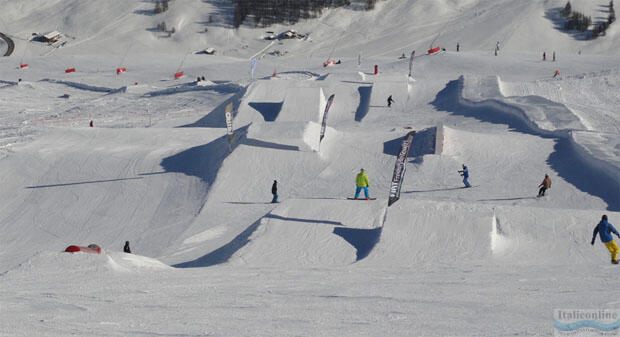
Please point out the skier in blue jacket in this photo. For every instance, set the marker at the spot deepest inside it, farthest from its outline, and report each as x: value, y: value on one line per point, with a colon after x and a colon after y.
x: 604, y: 230
x: 465, y: 174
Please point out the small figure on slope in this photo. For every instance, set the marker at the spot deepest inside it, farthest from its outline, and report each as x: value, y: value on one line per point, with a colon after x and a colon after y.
x: 604, y: 229
x: 390, y: 100
x: 545, y: 185
x: 126, y: 249
x: 274, y: 191
x: 465, y: 174
x: 544, y: 56
x: 361, y: 182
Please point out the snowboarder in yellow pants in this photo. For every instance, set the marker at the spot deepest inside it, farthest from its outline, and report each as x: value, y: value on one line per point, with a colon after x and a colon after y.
x: 604, y: 230
x: 613, y: 249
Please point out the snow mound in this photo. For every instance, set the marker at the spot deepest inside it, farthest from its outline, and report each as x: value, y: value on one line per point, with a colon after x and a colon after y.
x: 86, y: 263
x: 301, y: 104
x: 292, y: 235
x: 425, y: 232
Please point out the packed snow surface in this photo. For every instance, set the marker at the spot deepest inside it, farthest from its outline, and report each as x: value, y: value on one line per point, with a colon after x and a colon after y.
x: 212, y: 256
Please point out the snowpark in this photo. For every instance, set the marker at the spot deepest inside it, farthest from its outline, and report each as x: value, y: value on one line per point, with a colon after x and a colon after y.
x: 213, y: 257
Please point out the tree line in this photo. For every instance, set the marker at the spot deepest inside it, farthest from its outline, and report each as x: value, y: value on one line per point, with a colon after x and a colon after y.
x: 578, y: 21
x: 268, y: 12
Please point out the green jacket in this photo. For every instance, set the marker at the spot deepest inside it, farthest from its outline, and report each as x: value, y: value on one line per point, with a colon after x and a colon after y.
x: 362, y: 180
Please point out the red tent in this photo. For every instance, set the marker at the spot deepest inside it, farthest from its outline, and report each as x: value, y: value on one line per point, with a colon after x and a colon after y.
x: 92, y: 248
x: 434, y: 50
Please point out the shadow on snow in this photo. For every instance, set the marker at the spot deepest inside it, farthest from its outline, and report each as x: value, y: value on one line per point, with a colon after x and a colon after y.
x: 423, y: 143
x: 362, y: 108
x: 364, y: 240
x: 269, y: 110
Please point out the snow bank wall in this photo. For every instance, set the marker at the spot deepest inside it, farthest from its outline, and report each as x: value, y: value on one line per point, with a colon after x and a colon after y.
x: 599, y: 161
x: 439, y: 139
x: 424, y: 231
x: 261, y: 96
x: 301, y: 104
x: 311, y: 135
x: 541, y: 117
x: 320, y: 233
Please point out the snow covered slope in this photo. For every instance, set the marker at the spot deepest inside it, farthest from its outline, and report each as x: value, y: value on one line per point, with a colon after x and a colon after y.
x: 212, y: 255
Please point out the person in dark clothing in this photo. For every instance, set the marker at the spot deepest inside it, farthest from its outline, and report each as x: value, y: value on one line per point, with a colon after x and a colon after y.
x: 604, y: 230
x: 458, y: 46
x: 390, y: 101
x: 126, y: 249
x: 274, y: 191
x: 546, y: 184
x: 544, y: 56
x: 465, y: 174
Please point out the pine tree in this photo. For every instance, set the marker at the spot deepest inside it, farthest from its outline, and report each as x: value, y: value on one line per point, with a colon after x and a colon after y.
x: 267, y: 12
x: 567, y: 10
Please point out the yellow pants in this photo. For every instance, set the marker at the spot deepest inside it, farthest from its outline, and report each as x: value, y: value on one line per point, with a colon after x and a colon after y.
x: 613, y: 249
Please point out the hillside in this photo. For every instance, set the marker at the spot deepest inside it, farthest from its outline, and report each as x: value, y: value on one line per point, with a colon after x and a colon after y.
x: 213, y: 257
